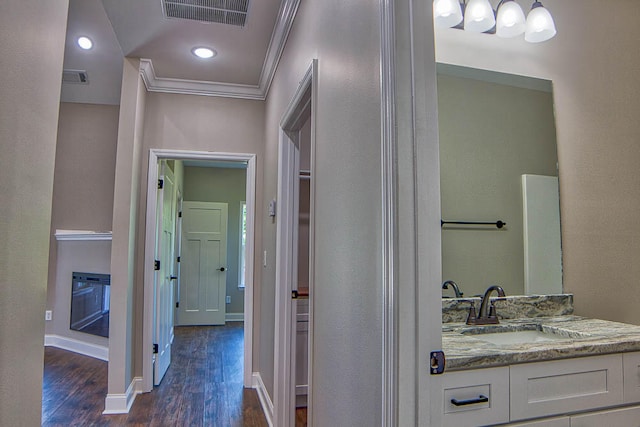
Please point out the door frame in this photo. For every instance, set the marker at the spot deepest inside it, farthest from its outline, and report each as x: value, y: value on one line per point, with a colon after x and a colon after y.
x: 288, y: 175
x: 147, y: 327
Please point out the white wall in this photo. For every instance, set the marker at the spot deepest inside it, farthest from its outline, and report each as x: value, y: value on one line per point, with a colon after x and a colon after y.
x: 32, y: 36
x: 593, y: 64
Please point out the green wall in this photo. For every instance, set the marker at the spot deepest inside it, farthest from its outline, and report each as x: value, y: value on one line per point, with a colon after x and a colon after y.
x: 223, y: 185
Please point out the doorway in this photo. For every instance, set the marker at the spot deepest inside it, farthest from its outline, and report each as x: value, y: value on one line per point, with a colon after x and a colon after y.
x: 295, y: 257
x: 244, y: 161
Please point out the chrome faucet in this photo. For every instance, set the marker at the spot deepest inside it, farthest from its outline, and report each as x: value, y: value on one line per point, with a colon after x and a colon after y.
x: 487, y: 314
x: 455, y: 287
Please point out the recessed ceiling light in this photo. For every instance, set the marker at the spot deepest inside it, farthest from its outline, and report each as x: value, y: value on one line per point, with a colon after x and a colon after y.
x: 204, y: 52
x: 85, y: 43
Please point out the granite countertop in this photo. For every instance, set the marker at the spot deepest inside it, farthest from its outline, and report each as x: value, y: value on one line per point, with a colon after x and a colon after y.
x: 464, y: 348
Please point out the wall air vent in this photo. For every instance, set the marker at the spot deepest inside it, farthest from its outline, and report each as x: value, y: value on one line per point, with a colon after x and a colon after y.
x: 231, y: 12
x: 75, y: 76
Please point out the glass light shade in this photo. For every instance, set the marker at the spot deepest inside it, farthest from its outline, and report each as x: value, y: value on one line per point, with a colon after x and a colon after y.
x: 447, y: 13
x: 510, y: 21
x: 478, y: 16
x: 540, y: 26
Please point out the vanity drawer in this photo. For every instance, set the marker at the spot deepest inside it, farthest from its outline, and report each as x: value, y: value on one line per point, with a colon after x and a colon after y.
x: 631, y: 364
x: 564, y: 386
x: 482, y: 397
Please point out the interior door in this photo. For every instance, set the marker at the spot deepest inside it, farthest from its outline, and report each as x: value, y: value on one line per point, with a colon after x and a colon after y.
x: 164, y: 293
x: 203, y: 261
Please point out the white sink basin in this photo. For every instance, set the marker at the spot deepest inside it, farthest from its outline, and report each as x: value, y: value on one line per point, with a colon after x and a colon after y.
x: 529, y: 334
x: 520, y: 337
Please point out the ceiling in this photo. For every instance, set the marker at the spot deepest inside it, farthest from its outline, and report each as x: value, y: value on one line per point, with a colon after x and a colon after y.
x: 243, y: 67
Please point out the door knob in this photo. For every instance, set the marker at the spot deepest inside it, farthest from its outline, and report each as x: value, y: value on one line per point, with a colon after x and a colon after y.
x: 221, y: 269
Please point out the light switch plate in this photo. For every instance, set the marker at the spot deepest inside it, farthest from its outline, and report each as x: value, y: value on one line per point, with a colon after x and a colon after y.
x: 48, y: 315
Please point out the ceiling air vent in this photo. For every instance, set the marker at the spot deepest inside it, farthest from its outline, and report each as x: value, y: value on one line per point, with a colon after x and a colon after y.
x: 231, y: 12
x: 75, y: 76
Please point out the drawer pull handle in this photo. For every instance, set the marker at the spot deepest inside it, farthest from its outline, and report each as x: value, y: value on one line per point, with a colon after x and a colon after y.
x: 479, y: 399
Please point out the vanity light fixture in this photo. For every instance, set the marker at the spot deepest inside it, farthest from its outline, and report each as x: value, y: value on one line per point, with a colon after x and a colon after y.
x: 447, y: 13
x: 479, y: 16
x: 85, y: 42
x: 507, y: 21
x: 510, y: 21
x: 203, y: 52
x: 540, y: 25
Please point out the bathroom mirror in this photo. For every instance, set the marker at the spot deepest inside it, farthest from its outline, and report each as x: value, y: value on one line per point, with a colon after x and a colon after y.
x: 498, y: 162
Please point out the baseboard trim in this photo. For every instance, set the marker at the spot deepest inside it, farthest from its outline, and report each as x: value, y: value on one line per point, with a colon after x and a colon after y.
x: 92, y: 350
x: 302, y: 390
x: 234, y: 317
x: 120, y: 403
x: 263, y: 395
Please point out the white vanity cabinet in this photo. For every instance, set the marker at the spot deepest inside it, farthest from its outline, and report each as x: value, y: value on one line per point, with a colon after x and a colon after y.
x: 476, y: 397
x: 578, y: 392
x: 624, y: 417
x: 562, y: 386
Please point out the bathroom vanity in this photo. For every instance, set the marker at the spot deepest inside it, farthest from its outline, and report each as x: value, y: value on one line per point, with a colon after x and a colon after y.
x: 548, y: 369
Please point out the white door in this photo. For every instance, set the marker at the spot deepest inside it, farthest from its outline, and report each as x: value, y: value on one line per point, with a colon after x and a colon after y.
x: 203, y: 264
x: 165, y: 244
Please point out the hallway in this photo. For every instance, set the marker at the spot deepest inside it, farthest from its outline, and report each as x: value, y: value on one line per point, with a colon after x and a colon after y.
x: 203, y: 386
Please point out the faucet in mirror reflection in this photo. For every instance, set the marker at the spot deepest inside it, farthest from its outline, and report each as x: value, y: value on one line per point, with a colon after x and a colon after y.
x: 456, y: 289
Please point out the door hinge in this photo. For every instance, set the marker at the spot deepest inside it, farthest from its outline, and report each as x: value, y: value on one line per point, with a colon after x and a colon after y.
x: 155, y: 349
x: 178, y: 259
x: 160, y: 184
x: 437, y: 362
x: 156, y: 265
x: 180, y: 214
x: 177, y: 304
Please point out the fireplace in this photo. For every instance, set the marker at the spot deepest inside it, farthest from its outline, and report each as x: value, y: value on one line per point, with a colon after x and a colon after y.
x: 90, y: 294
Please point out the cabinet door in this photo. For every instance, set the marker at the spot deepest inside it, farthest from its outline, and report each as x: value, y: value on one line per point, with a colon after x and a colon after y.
x: 627, y: 417
x: 631, y: 363
x: 476, y: 397
x: 555, y: 422
x: 563, y: 386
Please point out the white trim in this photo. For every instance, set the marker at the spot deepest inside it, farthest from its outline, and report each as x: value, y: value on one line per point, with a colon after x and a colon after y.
x: 120, y: 403
x: 147, y: 334
x: 234, y: 317
x: 286, y: 16
x: 263, y: 396
x: 286, y: 262
x: 70, y: 344
x: 82, y: 235
x: 388, y: 161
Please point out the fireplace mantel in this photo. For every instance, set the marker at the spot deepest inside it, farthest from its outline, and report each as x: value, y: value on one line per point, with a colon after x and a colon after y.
x: 82, y: 235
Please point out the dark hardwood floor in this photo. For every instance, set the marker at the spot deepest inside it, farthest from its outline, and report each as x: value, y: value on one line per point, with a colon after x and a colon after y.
x: 203, y: 386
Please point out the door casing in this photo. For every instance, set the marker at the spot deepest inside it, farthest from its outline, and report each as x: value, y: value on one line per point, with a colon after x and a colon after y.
x: 148, y: 318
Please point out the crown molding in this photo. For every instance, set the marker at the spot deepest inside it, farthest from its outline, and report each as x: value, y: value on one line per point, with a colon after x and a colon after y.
x: 286, y: 15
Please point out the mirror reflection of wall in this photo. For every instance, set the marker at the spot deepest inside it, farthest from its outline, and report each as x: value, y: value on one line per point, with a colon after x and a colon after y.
x: 494, y: 128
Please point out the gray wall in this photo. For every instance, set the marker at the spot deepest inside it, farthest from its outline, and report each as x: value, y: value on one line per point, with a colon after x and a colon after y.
x: 597, y: 100
x: 490, y: 134
x: 82, y: 187
x: 223, y: 185
x: 345, y: 38
x: 125, y: 288
x: 201, y: 123
x: 32, y: 36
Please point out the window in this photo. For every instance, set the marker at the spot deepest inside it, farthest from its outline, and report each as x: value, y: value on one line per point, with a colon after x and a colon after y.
x: 243, y: 244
